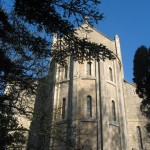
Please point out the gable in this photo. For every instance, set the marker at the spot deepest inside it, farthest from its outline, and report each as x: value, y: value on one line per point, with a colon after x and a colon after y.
x: 93, y: 35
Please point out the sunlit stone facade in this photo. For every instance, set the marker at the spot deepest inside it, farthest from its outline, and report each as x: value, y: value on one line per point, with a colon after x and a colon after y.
x: 95, y: 96
x: 90, y: 97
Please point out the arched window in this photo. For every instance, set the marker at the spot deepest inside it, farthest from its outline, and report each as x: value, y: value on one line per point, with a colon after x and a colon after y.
x: 113, y: 111
x: 89, y: 71
x: 110, y: 74
x: 89, y: 106
x: 64, y: 108
x: 66, y: 71
x: 139, y: 136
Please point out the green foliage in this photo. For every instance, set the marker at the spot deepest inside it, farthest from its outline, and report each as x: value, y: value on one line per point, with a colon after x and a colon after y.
x: 56, y: 16
x: 20, y: 55
x: 142, y: 77
x: 11, y: 133
x: 61, y: 17
x: 25, y: 49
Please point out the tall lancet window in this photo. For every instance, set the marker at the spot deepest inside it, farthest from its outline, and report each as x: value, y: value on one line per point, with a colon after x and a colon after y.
x: 66, y: 71
x: 89, y: 71
x: 89, y: 106
x: 113, y: 111
x: 64, y: 108
x: 139, y: 136
x: 110, y: 74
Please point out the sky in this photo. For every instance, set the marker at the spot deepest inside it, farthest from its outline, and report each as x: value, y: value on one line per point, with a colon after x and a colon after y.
x: 130, y: 20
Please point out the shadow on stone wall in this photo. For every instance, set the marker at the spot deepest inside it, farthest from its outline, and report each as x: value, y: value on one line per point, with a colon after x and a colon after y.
x: 39, y: 132
x: 110, y: 134
x: 45, y: 134
x: 145, y: 110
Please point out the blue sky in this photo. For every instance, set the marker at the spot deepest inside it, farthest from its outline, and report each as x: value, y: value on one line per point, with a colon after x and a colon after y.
x: 130, y: 19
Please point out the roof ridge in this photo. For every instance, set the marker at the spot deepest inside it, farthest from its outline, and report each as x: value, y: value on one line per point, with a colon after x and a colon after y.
x: 96, y: 30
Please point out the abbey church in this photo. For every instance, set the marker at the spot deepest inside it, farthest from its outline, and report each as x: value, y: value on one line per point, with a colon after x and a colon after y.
x: 101, y: 106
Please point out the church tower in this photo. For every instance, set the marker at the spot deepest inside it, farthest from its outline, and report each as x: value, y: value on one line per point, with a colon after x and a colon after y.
x: 89, y: 96
x: 89, y: 105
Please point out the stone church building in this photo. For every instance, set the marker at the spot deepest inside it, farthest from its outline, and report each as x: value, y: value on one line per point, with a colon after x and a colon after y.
x: 102, y: 107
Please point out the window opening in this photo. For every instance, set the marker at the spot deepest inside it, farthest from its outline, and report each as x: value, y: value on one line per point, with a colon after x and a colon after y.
x: 89, y: 72
x: 113, y: 111
x: 66, y: 71
x: 139, y: 135
x: 89, y: 106
x: 110, y: 74
x: 63, y: 108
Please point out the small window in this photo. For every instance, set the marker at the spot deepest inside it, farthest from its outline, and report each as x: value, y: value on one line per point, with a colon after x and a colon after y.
x: 66, y: 71
x: 63, y: 108
x: 113, y: 111
x: 139, y: 136
x: 89, y: 72
x: 89, y: 106
x: 110, y: 74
